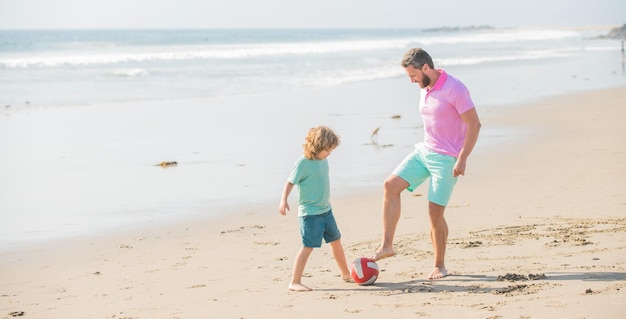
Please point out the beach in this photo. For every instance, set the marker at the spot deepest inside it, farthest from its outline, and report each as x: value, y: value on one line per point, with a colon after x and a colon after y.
x: 537, y: 230
x: 87, y: 116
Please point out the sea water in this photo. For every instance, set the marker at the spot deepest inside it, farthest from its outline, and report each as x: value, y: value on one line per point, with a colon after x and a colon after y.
x: 85, y: 115
x: 44, y: 69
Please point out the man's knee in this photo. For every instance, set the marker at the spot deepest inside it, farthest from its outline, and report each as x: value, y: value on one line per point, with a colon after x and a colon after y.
x: 435, y: 211
x: 395, y: 184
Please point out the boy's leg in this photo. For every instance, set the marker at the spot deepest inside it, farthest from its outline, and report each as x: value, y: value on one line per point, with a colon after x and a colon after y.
x: 311, y: 229
x: 340, y: 258
x: 298, y: 269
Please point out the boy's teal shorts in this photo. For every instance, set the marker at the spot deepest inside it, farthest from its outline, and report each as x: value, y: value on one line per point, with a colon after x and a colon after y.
x: 423, y: 163
x: 315, y: 227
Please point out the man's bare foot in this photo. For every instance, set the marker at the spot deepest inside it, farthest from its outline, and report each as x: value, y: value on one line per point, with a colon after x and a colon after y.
x: 299, y: 287
x: 382, y: 254
x: 347, y: 278
x: 438, y: 273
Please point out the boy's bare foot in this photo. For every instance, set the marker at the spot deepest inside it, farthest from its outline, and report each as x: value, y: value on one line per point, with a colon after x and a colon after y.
x: 438, y: 273
x: 347, y: 278
x: 382, y: 254
x: 299, y: 287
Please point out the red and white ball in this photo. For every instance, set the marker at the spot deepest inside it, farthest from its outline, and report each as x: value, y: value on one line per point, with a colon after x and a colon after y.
x: 364, y: 271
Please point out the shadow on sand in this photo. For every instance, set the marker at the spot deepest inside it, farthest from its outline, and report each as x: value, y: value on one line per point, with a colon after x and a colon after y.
x: 478, y: 283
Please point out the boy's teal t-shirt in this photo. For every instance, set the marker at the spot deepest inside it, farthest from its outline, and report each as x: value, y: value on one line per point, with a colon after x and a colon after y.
x: 311, y: 177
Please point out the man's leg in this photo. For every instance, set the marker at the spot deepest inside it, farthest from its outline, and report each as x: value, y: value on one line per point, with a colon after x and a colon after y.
x: 439, y: 238
x: 393, y: 187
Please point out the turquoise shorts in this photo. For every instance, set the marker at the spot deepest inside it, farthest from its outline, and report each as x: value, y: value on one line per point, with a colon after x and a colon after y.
x: 422, y: 164
x: 315, y: 227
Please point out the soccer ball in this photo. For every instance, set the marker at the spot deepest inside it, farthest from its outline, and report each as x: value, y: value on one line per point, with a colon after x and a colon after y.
x: 364, y: 271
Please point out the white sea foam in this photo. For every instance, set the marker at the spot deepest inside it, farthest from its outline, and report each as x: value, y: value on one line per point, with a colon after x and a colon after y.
x: 500, y: 36
x: 130, y: 73
x: 363, y: 74
x: 256, y: 50
x: 202, y: 52
x: 528, y: 55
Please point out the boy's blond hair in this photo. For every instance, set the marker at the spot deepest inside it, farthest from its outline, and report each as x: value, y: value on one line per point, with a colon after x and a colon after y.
x: 319, y: 139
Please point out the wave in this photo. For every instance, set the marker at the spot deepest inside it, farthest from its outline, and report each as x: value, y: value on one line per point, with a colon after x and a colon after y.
x: 502, y: 36
x: 528, y: 55
x: 273, y: 49
x: 203, y: 52
x: 130, y: 73
x: 394, y: 70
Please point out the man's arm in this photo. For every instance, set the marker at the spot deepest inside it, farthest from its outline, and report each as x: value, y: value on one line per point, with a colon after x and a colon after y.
x: 470, y: 118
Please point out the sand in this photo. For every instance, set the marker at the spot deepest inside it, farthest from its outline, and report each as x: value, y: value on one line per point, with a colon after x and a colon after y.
x: 537, y: 230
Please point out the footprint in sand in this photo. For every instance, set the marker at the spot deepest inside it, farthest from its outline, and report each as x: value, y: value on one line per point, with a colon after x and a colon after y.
x: 509, y: 289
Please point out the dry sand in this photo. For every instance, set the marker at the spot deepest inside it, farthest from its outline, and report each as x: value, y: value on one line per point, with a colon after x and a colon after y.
x: 548, y: 202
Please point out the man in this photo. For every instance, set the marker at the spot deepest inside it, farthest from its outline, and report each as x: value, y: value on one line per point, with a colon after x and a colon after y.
x: 451, y: 127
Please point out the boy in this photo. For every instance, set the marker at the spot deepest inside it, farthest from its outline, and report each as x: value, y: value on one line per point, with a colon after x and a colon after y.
x: 310, y: 173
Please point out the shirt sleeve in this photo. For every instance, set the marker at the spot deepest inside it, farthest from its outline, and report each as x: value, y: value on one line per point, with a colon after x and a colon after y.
x: 462, y: 99
x: 298, y: 173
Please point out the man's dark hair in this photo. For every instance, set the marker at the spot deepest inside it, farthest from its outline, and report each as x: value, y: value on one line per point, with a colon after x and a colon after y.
x: 417, y: 57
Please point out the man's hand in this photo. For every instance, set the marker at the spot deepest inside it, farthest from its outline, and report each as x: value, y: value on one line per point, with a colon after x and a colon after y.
x: 459, y: 168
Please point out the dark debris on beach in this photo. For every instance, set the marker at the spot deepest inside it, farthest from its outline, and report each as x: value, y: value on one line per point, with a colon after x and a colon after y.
x: 509, y: 289
x: 518, y: 277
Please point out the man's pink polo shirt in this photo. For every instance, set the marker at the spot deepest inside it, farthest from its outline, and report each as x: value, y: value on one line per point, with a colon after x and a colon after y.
x: 441, y: 107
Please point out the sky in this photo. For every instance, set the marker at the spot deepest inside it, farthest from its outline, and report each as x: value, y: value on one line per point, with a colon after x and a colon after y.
x: 177, y: 14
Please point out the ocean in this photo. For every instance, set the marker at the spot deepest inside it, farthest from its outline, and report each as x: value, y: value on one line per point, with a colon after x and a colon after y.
x: 46, y: 69
x: 85, y: 115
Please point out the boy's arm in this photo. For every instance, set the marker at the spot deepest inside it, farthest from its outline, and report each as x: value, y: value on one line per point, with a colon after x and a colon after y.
x: 283, y: 208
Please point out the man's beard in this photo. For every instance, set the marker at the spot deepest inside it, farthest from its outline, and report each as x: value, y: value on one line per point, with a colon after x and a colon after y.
x: 425, y: 81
